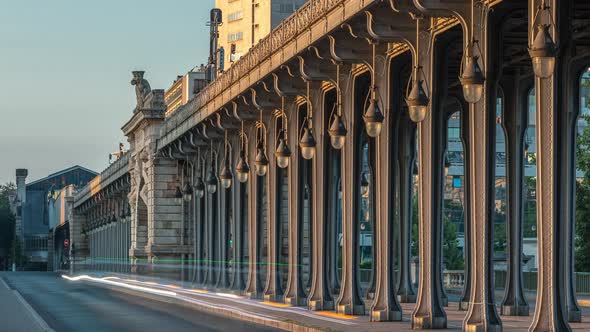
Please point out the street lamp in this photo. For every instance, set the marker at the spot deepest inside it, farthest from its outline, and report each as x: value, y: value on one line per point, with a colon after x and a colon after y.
x: 261, y: 159
x: 225, y: 175
x: 543, y: 49
x: 307, y: 143
x: 211, y: 177
x: 242, y: 168
x: 417, y: 99
x: 373, y: 116
x: 187, y: 192
x: 337, y: 130
x: 178, y: 196
x: 283, y: 152
x: 200, y: 187
x: 471, y: 76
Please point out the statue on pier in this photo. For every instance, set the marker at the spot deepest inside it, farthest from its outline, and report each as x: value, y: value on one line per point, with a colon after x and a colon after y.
x: 142, y: 89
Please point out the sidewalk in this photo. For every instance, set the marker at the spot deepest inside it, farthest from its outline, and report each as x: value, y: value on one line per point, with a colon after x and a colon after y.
x: 16, y: 314
x: 279, y: 315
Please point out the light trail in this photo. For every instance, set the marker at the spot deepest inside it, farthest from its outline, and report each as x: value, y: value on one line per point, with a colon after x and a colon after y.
x: 159, y: 290
x: 120, y: 284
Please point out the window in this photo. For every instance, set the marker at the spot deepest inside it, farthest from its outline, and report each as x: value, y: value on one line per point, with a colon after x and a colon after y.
x: 285, y: 8
x: 454, y: 132
x: 235, y: 16
x: 235, y: 36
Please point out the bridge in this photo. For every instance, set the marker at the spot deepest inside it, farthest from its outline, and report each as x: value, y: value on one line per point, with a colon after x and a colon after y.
x: 258, y: 183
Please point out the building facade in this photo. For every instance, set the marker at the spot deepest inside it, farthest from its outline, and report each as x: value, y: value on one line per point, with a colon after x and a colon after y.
x: 245, y: 22
x: 34, y: 209
x: 184, y: 88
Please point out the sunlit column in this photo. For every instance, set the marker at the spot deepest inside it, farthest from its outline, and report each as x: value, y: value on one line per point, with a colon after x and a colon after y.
x: 319, y: 298
x: 550, y: 309
x: 294, y: 294
x: 349, y: 301
x: 385, y: 306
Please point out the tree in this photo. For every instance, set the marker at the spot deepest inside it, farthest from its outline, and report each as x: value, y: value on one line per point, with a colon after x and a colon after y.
x: 7, y: 222
x: 452, y: 255
x: 582, y: 239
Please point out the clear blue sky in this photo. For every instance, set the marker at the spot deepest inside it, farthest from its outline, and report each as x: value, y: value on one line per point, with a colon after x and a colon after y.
x: 65, y: 68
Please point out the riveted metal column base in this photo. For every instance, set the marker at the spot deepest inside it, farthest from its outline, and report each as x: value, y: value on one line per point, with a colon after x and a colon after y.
x: 515, y: 310
x: 385, y: 316
x: 406, y: 298
x: 254, y: 295
x: 296, y: 301
x: 319, y: 305
x: 428, y: 322
x: 482, y: 328
x: 349, y: 309
x: 273, y: 298
x: 574, y: 316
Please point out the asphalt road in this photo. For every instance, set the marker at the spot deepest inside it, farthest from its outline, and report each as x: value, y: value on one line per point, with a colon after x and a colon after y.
x: 67, y: 306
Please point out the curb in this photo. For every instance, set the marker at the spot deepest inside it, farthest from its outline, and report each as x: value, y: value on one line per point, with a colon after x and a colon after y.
x: 218, y: 310
x: 38, y: 319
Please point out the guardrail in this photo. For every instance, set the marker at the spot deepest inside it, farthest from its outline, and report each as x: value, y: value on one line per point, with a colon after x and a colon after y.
x: 456, y: 279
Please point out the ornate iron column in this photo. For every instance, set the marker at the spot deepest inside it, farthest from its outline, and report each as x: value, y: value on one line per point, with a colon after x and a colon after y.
x: 273, y: 290
x: 481, y: 313
x: 406, y: 156
x: 385, y: 306
x: 550, y: 309
x: 429, y: 312
x: 349, y: 301
x: 212, y: 236
x: 572, y: 105
x: 240, y: 216
x: 223, y: 220
x: 515, y: 125
x: 319, y: 297
x: 295, y: 294
x: 466, y: 295
x: 255, y: 286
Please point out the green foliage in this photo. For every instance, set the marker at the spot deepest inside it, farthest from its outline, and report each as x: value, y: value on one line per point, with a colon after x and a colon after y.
x: 7, y: 221
x: 582, y: 239
x: 414, y: 237
x: 452, y: 255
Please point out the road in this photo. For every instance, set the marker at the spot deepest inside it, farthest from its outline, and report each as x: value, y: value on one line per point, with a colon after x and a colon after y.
x: 67, y: 306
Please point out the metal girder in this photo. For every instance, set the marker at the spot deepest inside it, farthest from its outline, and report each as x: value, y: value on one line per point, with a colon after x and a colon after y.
x: 288, y: 83
x: 345, y: 50
x: 242, y: 109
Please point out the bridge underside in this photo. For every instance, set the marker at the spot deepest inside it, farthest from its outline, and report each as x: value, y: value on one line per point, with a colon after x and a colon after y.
x: 291, y: 177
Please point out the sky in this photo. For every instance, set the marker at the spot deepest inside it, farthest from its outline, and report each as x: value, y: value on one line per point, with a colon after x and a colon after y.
x: 65, y: 72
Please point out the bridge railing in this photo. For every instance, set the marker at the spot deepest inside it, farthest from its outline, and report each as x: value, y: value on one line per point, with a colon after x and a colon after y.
x: 456, y: 279
x: 300, y: 20
x: 113, y: 172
